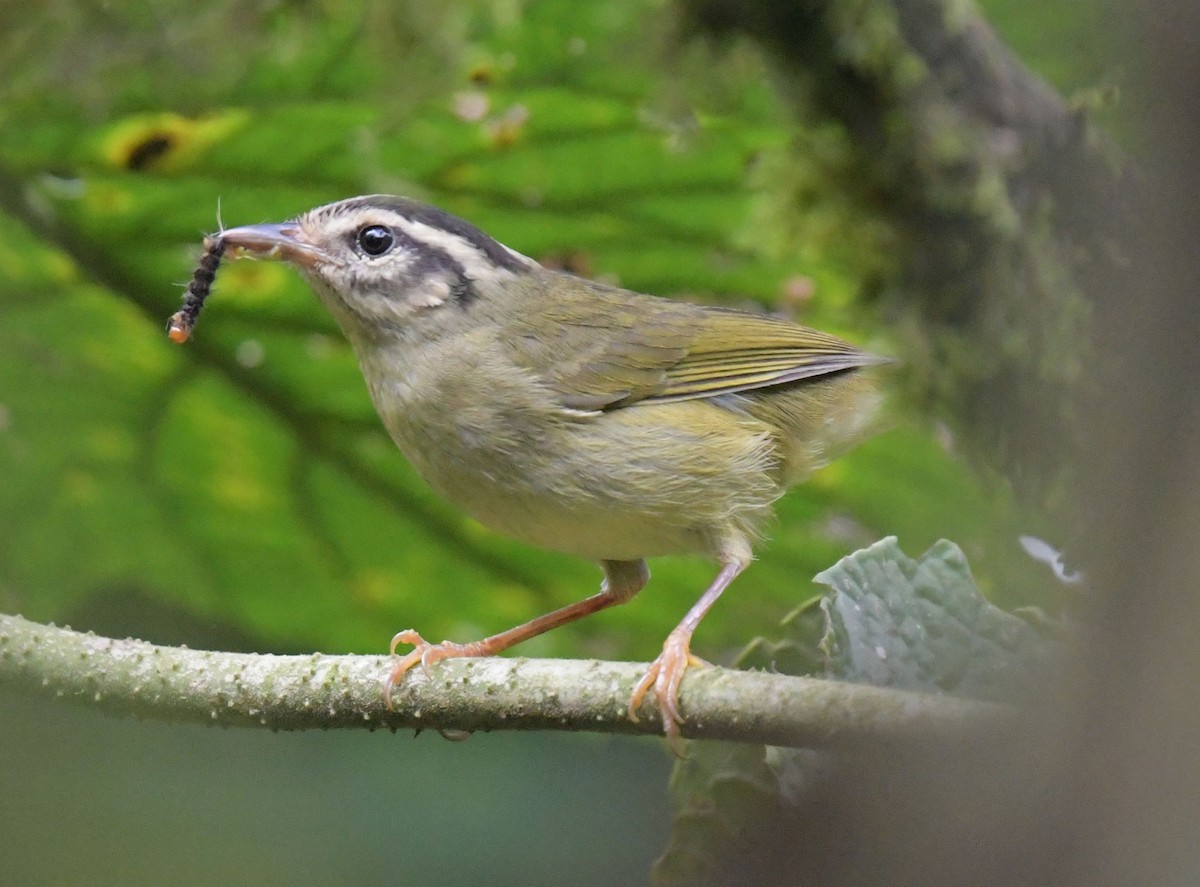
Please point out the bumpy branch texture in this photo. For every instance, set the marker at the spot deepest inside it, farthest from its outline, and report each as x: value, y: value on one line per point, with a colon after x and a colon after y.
x: 308, y: 692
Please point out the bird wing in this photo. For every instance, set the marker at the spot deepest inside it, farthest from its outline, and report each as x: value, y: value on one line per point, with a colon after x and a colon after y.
x: 612, y: 348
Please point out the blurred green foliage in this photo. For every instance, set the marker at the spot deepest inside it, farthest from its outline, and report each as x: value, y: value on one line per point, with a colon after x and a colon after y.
x: 239, y: 492
x: 244, y: 479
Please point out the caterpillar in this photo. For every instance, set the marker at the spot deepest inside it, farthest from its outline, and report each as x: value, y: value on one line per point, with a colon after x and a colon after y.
x: 179, y: 327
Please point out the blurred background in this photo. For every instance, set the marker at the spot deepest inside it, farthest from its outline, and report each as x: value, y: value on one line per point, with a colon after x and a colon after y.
x: 238, y: 493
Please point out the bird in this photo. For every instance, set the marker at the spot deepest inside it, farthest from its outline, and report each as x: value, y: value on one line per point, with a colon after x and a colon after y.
x: 567, y: 413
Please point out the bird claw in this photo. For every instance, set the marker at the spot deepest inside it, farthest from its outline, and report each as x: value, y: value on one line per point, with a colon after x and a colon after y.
x: 665, y: 675
x: 422, y: 652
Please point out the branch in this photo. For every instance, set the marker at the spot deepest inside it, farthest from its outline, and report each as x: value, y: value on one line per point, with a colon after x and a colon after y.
x: 310, y: 692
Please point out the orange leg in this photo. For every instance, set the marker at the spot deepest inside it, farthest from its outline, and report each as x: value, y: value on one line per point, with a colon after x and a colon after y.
x: 666, y: 672
x: 622, y: 580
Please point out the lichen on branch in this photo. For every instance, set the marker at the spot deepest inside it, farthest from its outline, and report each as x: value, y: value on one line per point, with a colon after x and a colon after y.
x: 176, y: 684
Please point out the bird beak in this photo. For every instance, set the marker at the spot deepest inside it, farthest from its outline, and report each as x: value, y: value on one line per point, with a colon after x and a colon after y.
x: 284, y: 241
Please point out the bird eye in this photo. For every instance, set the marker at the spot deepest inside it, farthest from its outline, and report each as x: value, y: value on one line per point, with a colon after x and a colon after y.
x: 375, y: 240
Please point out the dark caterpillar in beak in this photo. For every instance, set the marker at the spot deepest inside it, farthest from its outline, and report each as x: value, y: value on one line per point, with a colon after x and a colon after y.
x: 179, y: 327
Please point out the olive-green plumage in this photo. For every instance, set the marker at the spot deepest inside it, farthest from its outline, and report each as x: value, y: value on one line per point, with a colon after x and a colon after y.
x: 609, y: 424
x: 573, y: 415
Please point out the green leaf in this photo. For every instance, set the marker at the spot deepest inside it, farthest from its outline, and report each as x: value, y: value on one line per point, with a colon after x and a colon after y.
x: 889, y: 620
x: 923, y: 625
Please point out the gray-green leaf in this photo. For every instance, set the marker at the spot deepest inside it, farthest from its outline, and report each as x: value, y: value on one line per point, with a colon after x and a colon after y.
x: 922, y: 625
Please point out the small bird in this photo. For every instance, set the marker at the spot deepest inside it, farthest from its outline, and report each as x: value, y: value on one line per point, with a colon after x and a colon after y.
x: 569, y: 414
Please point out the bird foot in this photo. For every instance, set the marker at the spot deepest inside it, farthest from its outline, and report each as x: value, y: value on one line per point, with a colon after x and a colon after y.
x: 425, y: 653
x: 664, y: 675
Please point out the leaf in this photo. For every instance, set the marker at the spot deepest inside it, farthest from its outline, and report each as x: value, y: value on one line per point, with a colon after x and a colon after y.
x: 891, y: 621
x: 727, y: 801
x: 923, y: 625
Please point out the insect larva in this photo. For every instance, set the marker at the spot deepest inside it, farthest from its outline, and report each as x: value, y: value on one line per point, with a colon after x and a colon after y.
x: 179, y: 327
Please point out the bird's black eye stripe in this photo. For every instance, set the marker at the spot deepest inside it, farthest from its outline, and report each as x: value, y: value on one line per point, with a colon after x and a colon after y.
x: 375, y: 240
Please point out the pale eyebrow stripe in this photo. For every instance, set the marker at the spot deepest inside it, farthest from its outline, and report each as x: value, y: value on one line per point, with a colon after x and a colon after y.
x: 476, y: 262
x: 439, y: 220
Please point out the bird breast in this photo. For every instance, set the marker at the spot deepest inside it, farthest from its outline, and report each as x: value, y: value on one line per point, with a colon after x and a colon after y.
x: 637, y: 482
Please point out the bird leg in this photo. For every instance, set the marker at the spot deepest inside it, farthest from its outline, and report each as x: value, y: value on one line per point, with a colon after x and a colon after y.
x: 666, y: 672
x: 622, y: 580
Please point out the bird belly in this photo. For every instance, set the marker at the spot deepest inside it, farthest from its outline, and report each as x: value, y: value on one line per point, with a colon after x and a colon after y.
x: 638, y: 482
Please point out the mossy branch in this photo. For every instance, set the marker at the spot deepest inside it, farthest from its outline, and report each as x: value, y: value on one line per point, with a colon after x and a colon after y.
x: 1009, y: 215
x: 320, y: 692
